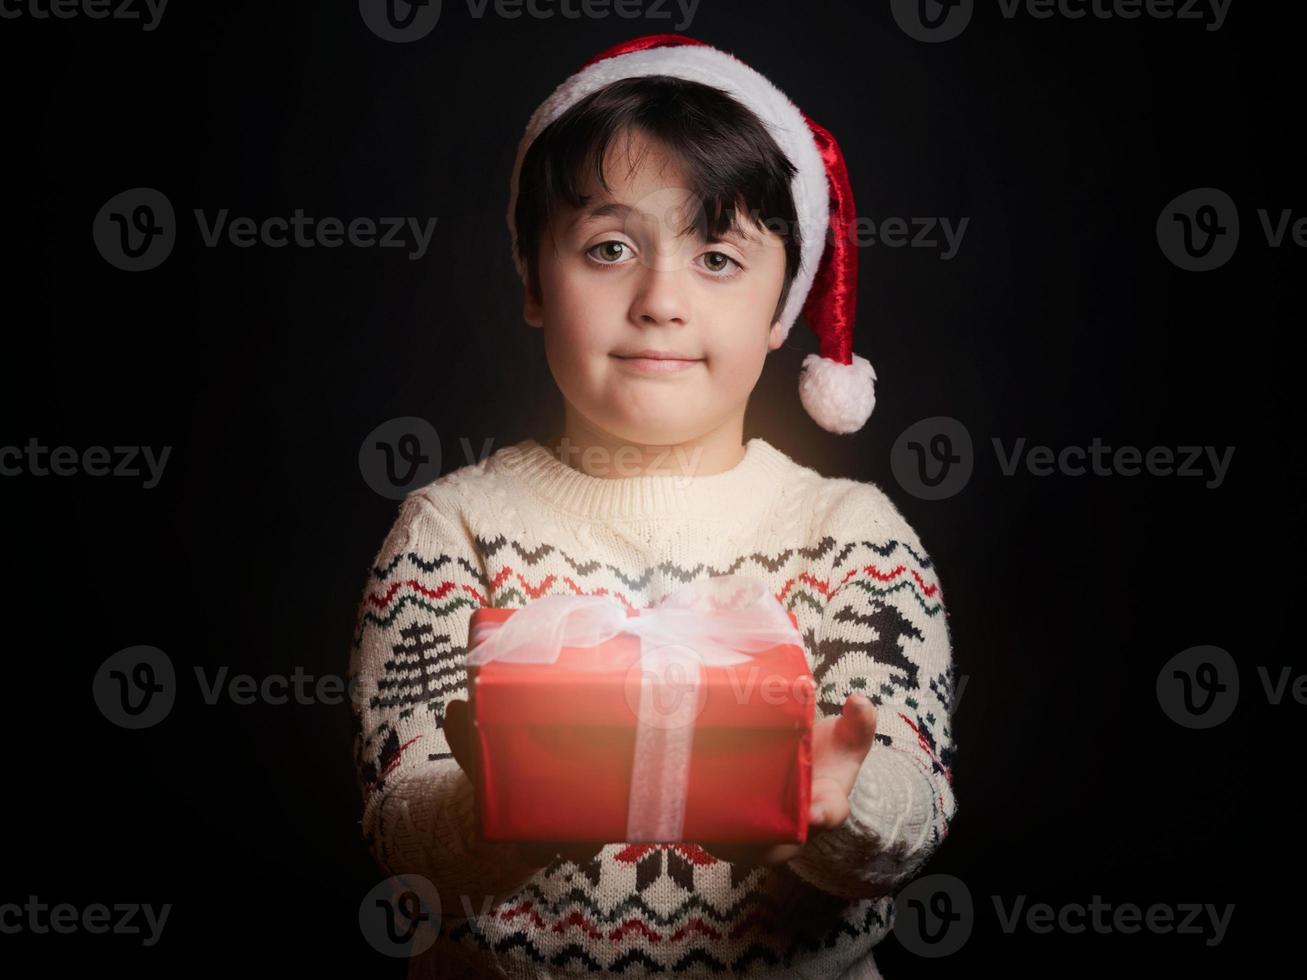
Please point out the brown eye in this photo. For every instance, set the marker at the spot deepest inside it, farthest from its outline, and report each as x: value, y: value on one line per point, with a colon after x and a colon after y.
x: 608, y: 251
x: 717, y: 261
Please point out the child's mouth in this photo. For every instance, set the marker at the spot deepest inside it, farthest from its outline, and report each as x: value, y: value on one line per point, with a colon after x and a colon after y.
x: 657, y: 365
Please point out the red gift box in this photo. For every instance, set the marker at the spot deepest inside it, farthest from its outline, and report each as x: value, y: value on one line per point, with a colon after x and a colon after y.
x: 557, y: 744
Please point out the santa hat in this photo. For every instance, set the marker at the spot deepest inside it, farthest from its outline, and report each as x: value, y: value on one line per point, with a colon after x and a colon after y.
x: 836, y: 386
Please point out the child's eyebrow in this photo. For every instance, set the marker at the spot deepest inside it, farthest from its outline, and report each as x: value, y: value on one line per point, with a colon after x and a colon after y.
x: 615, y: 209
x: 609, y: 209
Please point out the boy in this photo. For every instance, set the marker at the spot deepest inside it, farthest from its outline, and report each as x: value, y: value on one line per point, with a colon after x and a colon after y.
x: 669, y: 217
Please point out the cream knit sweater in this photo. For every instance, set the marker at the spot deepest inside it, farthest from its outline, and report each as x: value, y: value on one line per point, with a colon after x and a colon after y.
x: 522, y: 524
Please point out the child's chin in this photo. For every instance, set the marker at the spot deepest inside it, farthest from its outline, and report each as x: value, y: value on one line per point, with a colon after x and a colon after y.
x: 649, y: 431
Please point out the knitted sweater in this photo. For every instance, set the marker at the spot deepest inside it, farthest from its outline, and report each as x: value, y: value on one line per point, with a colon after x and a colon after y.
x: 522, y: 524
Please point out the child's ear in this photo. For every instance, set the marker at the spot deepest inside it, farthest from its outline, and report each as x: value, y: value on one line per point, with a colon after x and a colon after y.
x: 775, y: 337
x: 532, y: 309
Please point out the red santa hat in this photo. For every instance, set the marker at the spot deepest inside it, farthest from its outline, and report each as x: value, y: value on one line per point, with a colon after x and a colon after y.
x: 836, y: 386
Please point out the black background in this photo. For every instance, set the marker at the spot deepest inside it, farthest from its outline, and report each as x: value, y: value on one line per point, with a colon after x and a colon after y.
x: 1059, y: 320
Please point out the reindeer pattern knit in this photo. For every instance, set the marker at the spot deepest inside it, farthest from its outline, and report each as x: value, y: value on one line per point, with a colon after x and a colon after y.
x: 522, y: 524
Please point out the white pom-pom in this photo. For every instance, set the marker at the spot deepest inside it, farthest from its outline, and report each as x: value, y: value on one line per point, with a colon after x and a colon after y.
x: 839, y: 397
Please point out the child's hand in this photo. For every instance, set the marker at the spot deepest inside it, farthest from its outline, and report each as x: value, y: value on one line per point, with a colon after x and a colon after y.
x: 838, y: 747
x: 458, y: 733
x: 537, y: 854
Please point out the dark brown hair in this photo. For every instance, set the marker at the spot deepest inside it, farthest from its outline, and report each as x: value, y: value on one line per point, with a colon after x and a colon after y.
x: 730, y: 158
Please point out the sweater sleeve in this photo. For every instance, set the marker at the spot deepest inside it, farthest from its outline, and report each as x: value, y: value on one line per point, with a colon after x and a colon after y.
x: 407, y: 663
x: 884, y: 633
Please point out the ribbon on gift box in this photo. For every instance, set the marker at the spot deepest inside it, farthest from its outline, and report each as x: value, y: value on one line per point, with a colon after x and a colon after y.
x: 715, y: 622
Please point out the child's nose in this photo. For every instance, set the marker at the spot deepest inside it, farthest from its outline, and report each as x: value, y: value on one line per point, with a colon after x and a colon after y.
x: 662, y: 295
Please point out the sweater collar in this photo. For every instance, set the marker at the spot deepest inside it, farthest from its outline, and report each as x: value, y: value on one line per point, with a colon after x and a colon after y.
x: 747, y: 486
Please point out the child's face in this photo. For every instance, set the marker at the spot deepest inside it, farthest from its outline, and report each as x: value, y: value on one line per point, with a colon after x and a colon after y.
x: 625, y: 280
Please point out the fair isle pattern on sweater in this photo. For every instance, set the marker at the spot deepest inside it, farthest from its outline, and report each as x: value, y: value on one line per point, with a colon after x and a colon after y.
x: 521, y: 525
